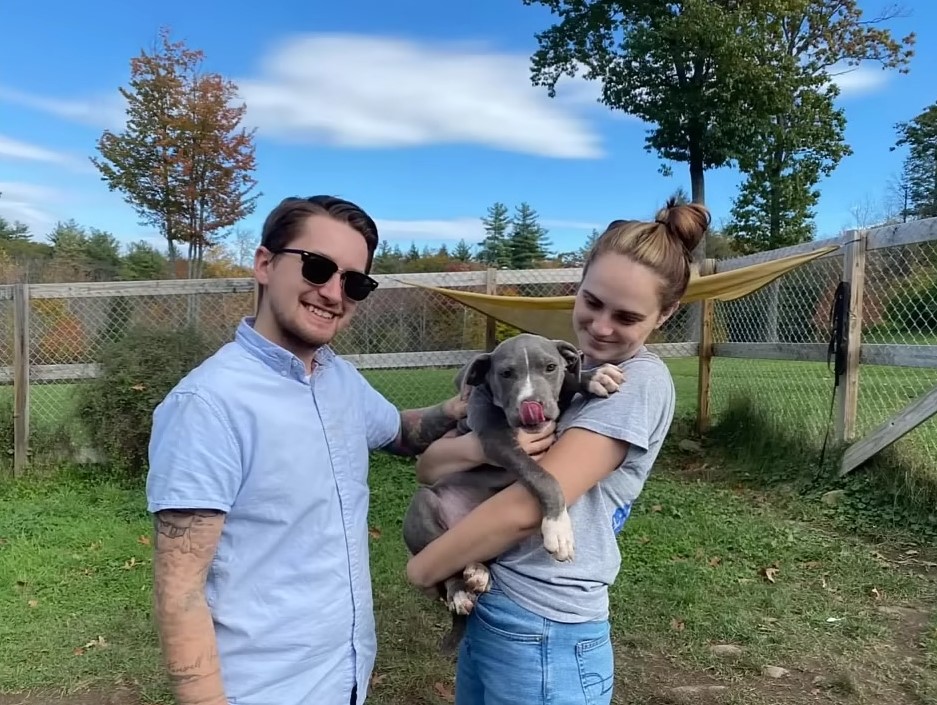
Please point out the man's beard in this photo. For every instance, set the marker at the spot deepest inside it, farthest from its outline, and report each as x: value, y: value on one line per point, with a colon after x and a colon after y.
x: 295, y: 338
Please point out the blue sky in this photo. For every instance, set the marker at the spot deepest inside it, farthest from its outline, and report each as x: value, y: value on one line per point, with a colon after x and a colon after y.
x: 421, y: 111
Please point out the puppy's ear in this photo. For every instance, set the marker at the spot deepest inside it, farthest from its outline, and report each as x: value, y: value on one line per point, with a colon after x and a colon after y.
x: 571, y: 355
x: 475, y: 372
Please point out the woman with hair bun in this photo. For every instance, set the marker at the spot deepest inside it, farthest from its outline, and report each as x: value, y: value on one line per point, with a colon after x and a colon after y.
x: 539, y: 631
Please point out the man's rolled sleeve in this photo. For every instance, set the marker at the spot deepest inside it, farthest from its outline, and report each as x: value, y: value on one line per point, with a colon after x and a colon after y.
x: 381, y: 417
x: 195, y: 460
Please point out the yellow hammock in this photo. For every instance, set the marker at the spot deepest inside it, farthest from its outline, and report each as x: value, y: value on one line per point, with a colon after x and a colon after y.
x: 551, y: 315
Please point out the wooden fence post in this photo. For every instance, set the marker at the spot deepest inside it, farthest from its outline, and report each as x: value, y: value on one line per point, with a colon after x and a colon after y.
x: 20, y: 378
x: 491, y: 325
x: 705, y: 353
x: 847, y: 392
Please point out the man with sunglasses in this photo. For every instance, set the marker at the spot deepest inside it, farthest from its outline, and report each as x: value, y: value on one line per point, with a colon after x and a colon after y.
x: 258, y: 481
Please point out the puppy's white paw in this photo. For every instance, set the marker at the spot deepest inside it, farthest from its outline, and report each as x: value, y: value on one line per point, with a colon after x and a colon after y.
x: 477, y: 577
x: 558, y: 536
x: 606, y: 380
x: 460, y: 602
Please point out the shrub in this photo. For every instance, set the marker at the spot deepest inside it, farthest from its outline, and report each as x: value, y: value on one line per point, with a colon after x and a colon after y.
x: 137, y: 371
x: 914, y: 310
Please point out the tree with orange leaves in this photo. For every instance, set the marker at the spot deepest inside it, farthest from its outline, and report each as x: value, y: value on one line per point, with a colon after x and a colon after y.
x: 183, y: 161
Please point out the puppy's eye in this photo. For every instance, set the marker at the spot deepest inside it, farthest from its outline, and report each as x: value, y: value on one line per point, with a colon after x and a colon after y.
x: 551, y: 366
x: 507, y: 374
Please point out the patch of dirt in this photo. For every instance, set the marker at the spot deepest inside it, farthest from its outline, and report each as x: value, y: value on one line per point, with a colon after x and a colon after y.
x: 894, y: 675
x: 117, y: 696
x: 919, y: 560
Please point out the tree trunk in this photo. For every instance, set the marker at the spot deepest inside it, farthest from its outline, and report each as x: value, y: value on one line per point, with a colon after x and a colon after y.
x: 698, y: 190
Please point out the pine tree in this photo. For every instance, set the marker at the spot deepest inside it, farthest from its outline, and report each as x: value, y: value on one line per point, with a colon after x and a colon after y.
x: 462, y: 251
x: 920, y: 137
x: 528, y: 243
x: 494, y: 249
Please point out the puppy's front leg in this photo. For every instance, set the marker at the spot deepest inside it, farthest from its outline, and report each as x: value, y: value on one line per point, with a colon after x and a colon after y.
x: 501, y: 447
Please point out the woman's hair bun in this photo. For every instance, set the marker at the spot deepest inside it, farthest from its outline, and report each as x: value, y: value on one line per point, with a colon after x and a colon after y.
x: 687, y: 222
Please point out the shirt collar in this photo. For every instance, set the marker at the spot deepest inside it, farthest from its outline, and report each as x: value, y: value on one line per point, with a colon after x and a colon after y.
x: 277, y: 358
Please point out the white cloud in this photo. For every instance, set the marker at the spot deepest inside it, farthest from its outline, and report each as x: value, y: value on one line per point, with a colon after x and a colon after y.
x: 14, y: 149
x: 572, y: 225
x: 358, y: 91
x: 106, y: 111
x: 455, y: 229
x: 30, y: 204
x: 24, y: 151
x: 857, y: 80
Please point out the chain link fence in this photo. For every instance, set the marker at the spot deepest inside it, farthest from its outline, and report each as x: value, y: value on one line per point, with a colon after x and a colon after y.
x: 789, y: 315
x: 899, y: 308
x: 410, y: 342
x: 791, y: 319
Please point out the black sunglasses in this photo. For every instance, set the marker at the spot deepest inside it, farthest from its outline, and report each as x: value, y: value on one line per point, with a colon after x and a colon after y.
x: 318, y: 269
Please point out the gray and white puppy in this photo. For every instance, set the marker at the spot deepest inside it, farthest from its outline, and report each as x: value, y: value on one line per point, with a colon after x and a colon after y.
x: 526, y: 381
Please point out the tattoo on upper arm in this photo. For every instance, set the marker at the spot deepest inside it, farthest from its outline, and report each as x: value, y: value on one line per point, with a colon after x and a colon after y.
x: 185, y: 544
x: 171, y: 525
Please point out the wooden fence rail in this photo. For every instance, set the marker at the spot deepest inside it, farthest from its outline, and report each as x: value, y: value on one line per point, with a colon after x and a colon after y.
x: 853, y: 251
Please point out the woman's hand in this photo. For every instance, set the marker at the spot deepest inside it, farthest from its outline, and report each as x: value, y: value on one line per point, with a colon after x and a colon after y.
x: 536, y: 443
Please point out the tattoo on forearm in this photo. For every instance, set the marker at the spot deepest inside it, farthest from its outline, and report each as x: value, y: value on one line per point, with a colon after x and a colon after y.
x: 420, y: 427
x: 204, y: 666
x: 185, y: 544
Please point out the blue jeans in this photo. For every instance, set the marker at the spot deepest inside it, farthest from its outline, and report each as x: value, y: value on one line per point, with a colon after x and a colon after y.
x: 510, y: 655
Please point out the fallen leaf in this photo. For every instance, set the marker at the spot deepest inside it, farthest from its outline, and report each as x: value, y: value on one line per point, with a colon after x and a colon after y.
x: 132, y: 563
x: 138, y: 387
x: 33, y: 603
x: 99, y: 643
x: 657, y: 508
x: 377, y: 679
x: 770, y: 573
x: 877, y: 594
x: 714, y: 561
x: 374, y: 532
x: 444, y: 691
x: 643, y: 540
x: 143, y: 540
x: 677, y: 624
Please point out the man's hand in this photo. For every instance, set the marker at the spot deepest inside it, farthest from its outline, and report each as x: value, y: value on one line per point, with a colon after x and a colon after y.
x: 457, y: 406
x: 420, y: 427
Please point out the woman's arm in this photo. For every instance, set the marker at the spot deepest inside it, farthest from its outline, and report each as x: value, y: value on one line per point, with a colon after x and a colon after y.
x: 447, y: 455
x: 457, y: 453
x: 578, y: 460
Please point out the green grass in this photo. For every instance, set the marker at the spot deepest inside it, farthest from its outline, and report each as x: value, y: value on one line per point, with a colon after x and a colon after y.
x: 75, y: 573
x: 75, y: 569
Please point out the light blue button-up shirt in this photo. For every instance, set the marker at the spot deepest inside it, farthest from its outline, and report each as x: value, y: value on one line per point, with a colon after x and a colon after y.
x: 286, y: 457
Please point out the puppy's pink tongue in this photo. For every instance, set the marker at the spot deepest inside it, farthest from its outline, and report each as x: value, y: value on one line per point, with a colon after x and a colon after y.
x: 532, y: 413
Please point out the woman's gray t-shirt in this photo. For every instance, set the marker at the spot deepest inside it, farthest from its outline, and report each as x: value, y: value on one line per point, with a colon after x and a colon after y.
x: 639, y: 413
